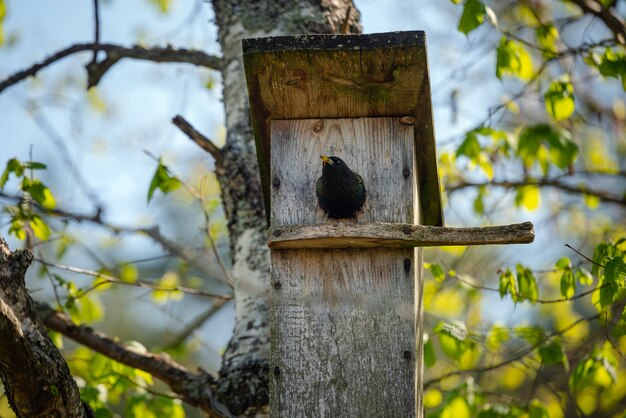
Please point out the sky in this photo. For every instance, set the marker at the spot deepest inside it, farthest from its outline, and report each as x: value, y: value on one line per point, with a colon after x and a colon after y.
x: 102, y: 137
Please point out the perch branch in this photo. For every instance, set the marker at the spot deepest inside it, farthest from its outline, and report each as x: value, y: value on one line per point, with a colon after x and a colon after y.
x: 369, y: 235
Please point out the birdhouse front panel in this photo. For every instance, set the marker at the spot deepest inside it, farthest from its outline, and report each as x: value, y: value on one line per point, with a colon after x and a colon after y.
x: 379, y: 150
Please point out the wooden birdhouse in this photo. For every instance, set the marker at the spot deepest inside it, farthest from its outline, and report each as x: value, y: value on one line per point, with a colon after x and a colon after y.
x: 345, y: 296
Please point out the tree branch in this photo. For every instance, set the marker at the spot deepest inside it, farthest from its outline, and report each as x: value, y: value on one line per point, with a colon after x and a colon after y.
x: 202, y: 141
x: 194, y: 388
x: 115, y: 53
x: 614, y: 22
x: 600, y: 194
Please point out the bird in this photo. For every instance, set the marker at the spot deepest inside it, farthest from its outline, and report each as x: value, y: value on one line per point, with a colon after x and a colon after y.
x: 340, y: 191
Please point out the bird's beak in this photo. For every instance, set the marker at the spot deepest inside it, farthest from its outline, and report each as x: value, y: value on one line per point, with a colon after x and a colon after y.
x: 326, y: 160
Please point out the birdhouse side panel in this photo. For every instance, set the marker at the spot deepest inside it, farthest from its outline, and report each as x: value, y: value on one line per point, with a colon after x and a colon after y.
x: 380, y: 150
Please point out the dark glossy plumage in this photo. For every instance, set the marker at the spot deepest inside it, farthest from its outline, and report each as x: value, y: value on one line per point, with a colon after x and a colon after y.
x: 340, y: 191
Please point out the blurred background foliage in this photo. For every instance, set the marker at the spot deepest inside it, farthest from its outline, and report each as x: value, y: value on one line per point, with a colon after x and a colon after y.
x: 123, y: 213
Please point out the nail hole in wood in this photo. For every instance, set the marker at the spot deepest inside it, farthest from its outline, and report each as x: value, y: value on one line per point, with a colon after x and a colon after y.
x: 277, y: 370
x: 277, y: 233
x: 406, y: 172
x: 407, y: 265
x: 406, y: 230
x: 276, y: 181
x: 407, y: 354
x: 278, y: 285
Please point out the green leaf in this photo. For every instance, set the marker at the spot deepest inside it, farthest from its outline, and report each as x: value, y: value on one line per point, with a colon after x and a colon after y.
x: 615, y: 271
x: 512, y: 59
x: 436, y: 271
x: 34, y: 165
x: 604, y: 295
x: 534, y: 335
x: 547, y: 37
x: 563, y: 151
x: 473, y: 16
x: 128, y: 273
x: 162, y: 5
x: 17, y: 229
x: 613, y: 64
x: 560, y: 99
x: 454, y: 329
x: 553, y: 353
x: 528, y: 196
x: 537, y: 410
x: 162, y: 181
x: 568, y: 284
x: 526, y: 284
x: 583, y: 276
x: 40, y: 192
x: 563, y: 263
x: 599, y: 253
x: 167, y: 288
x: 456, y: 408
x: 39, y: 227
x: 508, y: 285
x: 470, y: 146
x: 496, y: 336
x: 13, y: 166
x: 430, y: 357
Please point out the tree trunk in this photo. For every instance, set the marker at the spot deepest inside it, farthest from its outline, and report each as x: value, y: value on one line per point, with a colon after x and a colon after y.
x: 36, y: 378
x: 243, y: 380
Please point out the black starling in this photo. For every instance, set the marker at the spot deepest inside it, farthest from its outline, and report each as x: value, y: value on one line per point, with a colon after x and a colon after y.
x: 340, y: 191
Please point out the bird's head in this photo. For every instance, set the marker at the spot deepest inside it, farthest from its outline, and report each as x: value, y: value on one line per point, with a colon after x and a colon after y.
x: 332, y: 161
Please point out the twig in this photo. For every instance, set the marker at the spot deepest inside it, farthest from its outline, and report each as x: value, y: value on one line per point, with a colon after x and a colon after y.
x: 603, y: 196
x: 613, y: 21
x: 202, y: 141
x: 152, y: 286
x: 116, y: 52
x: 583, y: 256
x: 533, y: 300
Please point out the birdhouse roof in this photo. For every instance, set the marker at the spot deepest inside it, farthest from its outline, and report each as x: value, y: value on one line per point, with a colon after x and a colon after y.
x: 345, y: 76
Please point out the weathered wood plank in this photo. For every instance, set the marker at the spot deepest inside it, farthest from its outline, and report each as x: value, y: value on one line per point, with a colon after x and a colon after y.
x: 343, y: 333
x: 344, y: 76
x: 386, y: 235
x: 379, y: 149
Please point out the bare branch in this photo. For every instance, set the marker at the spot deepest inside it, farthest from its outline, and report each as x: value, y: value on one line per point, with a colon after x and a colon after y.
x: 580, y: 190
x: 202, y: 141
x: 613, y: 21
x: 110, y: 279
x: 114, y: 54
x: 194, y: 388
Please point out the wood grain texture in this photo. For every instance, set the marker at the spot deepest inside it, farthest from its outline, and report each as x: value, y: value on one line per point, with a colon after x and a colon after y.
x: 379, y: 149
x: 386, y: 235
x: 341, y: 323
x: 344, y: 76
x: 342, y: 320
